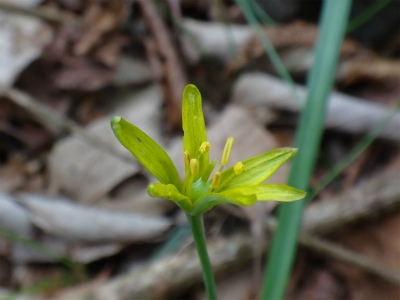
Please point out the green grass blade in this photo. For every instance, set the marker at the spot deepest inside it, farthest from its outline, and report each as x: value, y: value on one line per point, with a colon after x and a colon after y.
x: 269, y: 49
x: 64, y: 280
x: 41, y: 248
x: 261, y: 14
x: 172, y: 244
x: 352, y: 156
x: 366, y: 14
x: 332, y: 28
x: 223, y: 18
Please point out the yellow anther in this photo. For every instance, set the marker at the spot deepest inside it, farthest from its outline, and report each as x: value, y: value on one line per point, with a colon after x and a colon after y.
x: 239, y: 168
x: 186, y: 156
x: 205, y: 147
x: 227, y: 151
x: 216, y: 180
x: 194, y: 166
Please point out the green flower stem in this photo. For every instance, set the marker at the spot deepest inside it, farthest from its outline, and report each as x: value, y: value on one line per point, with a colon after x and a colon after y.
x: 196, y: 224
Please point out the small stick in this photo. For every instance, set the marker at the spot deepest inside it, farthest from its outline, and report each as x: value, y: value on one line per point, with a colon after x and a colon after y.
x: 48, y: 15
x: 361, y: 202
x: 51, y: 117
x: 352, y: 258
x: 172, y: 67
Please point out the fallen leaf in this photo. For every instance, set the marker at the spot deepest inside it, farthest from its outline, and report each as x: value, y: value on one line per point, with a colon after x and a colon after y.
x: 86, y: 173
x: 22, y: 39
x: 14, y: 217
x: 75, y: 222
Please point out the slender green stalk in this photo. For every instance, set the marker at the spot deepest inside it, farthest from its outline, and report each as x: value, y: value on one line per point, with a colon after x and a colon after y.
x: 44, y: 285
x: 196, y: 224
x: 333, y: 26
x: 352, y: 156
x: 261, y: 14
x: 233, y: 49
x: 268, y: 47
x: 366, y: 14
x: 41, y: 248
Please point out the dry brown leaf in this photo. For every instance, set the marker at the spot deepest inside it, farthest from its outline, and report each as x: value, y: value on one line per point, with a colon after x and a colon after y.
x: 319, y: 284
x: 87, y: 173
x: 379, y: 241
x: 344, y: 112
x: 81, y: 73
x: 236, y: 286
x: 130, y: 71
x: 14, y: 217
x: 100, y: 19
x: 22, y: 39
x: 12, y: 174
x: 74, y: 222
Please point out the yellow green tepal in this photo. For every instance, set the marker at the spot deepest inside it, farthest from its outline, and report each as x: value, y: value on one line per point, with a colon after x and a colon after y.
x: 240, y: 185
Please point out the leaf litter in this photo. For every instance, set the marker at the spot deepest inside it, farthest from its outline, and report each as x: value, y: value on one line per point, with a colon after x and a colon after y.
x: 99, y: 65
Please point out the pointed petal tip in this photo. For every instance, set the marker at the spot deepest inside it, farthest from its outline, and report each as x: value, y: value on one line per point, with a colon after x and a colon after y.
x: 191, y: 86
x: 151, y: 190
x: 291, y: 151
x: 115, y: 120
x: 191, y: 89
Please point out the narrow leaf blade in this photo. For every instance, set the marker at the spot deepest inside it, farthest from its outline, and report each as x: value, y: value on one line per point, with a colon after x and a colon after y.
x: 193, y: 124
x: 147, y: 151
x: 265, y: 192
x: 170, y: 192
x: 257, y: 169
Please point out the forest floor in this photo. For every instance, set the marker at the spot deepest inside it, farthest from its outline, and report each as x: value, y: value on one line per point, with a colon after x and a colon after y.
x: 76, y: 221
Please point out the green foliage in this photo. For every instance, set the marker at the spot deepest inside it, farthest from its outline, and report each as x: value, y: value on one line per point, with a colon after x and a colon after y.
x: 332, y: 29
x: 248, y: 12
x: 194, y: 128
x: 258, y: 169
x: 366, y: 14
x: 147, y: 151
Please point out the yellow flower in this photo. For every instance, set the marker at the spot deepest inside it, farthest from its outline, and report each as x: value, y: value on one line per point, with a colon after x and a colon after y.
x: 198, y: 193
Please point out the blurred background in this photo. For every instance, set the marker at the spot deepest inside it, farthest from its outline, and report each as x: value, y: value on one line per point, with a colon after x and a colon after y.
x: 75, y: 218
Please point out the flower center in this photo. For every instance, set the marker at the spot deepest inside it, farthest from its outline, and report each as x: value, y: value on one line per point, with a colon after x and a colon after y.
x: 193, y: 188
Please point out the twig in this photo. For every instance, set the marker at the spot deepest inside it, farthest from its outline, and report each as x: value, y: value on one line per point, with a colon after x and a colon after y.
x: 48, y: 15
x: 177, y: 274
x: 173, y: 70
x: 371, y: 198
x: 352, y: 258
x: 51, y: 117
x: 344, y: 113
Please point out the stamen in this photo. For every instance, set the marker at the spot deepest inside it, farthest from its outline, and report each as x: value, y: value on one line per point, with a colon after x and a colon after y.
x: 227, y: 151
x: 205, y: 147
x: 239, y: 168
x: 216, y: 180
x: 186, y: 156
x: 194, y: 166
